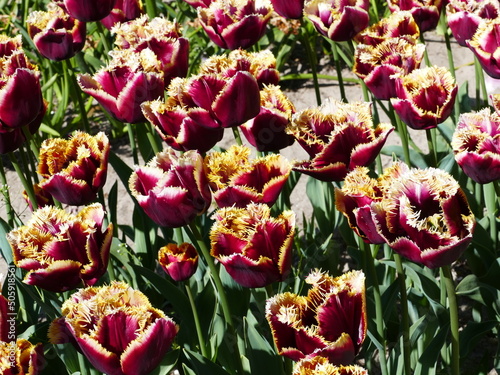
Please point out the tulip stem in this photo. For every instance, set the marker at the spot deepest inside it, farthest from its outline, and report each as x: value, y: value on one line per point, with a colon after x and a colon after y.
x: 405, y: 322
x: 403, y: 134
x: 339, y: 70
x: 133, y: 146
x: 77, y: 94
x: 104, y: 39
x: 303, y: 35
x: 431, y: 142
x: 453, y: 309
x: 237, y: 136
x: 28, y: 187
x: 220, y: 288
x: 197, y: 324
x: 490, y: 198
x: 451, y: 65
x: 4, y: 188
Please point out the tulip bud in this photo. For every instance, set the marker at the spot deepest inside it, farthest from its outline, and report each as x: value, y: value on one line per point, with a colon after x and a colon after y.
x: 289, y: 8
x: 88, y: 10
x: 425, y: 12
x: 179, y: 262
x: 123, y: 11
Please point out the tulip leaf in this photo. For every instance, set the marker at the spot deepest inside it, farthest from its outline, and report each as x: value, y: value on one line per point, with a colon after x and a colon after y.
x: 5, y: 248
x: 427, y: 362
x: 417, y: 159
x: 121, y: 168
x: 472, y: 287
x: 472, y: 333
x: 202, y: 365
x: 168, y: 363
x: 321, y: 196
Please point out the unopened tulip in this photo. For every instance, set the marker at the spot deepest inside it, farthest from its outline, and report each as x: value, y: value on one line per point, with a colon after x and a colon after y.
x: 321, y: 366
x: 56, y: 35
x: 380, y: 65
x: 233, y: 24
x: 315, y: 325
x: 425, y: 12
x: 116, y: 328
x: 338, y: 20
x: 486, y: 46
x: 178, y: 261
x: 62, y: 251
x: 476, y: 147
x: 425, y: 97
x: 338, y: 137
x: 465, y: 16
x: 199, y: 3
x: 172, y: 189
x: 162, y: 37
x: 89, y: 10
x: 237, y: 181
x: 123, y: 11
x: 130, y: 79
x: 289, y: 8
x: 74, y: 170
x: 266, y: 131
x: 254, y: 247
x: 396, y: 25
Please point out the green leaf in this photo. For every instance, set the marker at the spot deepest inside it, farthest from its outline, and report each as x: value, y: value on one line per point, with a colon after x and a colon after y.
x: 202, y: 365
x: 427, y: 362
x: 417, y: 159
x: 121, y: 168
x: 321, y: 195
x: 472, y: 333
x: 168, y: 363
x: 5, y: 248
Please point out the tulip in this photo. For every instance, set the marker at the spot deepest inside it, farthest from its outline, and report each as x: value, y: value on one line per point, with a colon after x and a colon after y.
x: 495, y: 98
x: 338, y: 20
x: 288, y: 9
x: 238, y: 181
x: 476, y: 147
x: 266, y: 131
x: 465, y: 16
x: 43, y: 198
x: 321, y: 366
x: 74, y: 170
x: 162, y: 37
x: 261, y: 65
x: 380, y: 65
x: 28, y: 358
x: 56, y: 35
x: 172, y: 189
x: 199, y: 3
x: 233, y: 24
x: 21, y: 99
x: 329, y: 322
x: 486, y: 46
x: 130, y: 79
x: 116, y: 328
x: 123, y: 11
x: 425, y: 12
x: 338, y: 137
x: 254, y: 247
x: 396, y: 25
x: 425, y: 97
x: 62, y: 251
x: 89, y: 10
x: 178, y: 261
x: 8, y: 45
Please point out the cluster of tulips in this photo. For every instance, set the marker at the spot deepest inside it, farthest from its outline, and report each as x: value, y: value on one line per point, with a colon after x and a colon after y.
x: 147, y: 84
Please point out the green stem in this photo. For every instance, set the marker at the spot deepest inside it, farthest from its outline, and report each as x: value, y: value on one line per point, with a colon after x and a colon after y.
x: 82, y: 364
x: 338, y: 68
x: 28, y: 187
x: 405, y: 321
x: 312, y: 61
x: 218, y: 284
x: 403, y: 134
x: 151, y: 8
x: 431, y: 142
x: 426, y: 54
x: 178, y: 235
x: 237, y: 136
x: 77, y: 95
x: 104, y: 38
x: 451, y: 65
x: 6, y: 195
x: 133, y: 146
x: 152, y: 139
x: 490, y: 198
x: 197, y: 324
x: 453, y: 310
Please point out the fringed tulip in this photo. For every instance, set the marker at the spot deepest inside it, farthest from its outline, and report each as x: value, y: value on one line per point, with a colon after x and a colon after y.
x: 425, y: 12
x: 233, y: 24
x: 56, y: 35
x: 476, y: 145
x: 338, y: 20
x: 465, y: 16
x: 199, y: 3
x: 254, y: 247
x: 486, y: 46
x: 88, y: 10
x: 62, y: 251
x: 162, y: 37
x: 321, y: 366
x: 43, y: 197
x: 330, y: 322
x: 266, y: 131
x: 261, y: 65
x: 9, y: 45
x: 289, y: 8
x: 495, y: 99
x: 21, y: 357
x: 74, y: 170
x: 178, y: 261
x: 123, y: 11
x: 396, y: 25
x: 238, y: 181
x: 116, y: 328
x: 130, y: 79
x: 425, y: 97
x: 338, y: 137
x: 172, y: 189
x: 380, y: 65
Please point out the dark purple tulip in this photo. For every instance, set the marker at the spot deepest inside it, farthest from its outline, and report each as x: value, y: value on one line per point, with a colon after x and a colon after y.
x: 476, y: 147
x: 425, y: 12
x: 56, y: 35
x: 199, y: 3
x: 178, y: 261
x: 486, y: 46
x: 123, y: 11
x: 254, y: 247
x: 289, y: 8
x: 172, y: 189
x: 396, y: 25
x: 338, y: 137
x: 88, y: 10
x: 62, y: 251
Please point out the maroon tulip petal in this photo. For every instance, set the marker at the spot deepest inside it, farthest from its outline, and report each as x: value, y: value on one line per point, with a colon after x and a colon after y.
x: 226, y: 244
x: 205, y: 89
x: 93, y: 88
x: 289, y: 9
x: 55, y: 45
x: 250, y: 273
x: 68, y: 190
x: 116, y: 331
x: 352, y: 21
x: 59, y: 276
x: 482, y: 168
x: 102, y: 359
x: 331, y: 172
x: 90, y: 10
x: 245, y: 33
x: 237, y: 196
x: 341, y: 352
